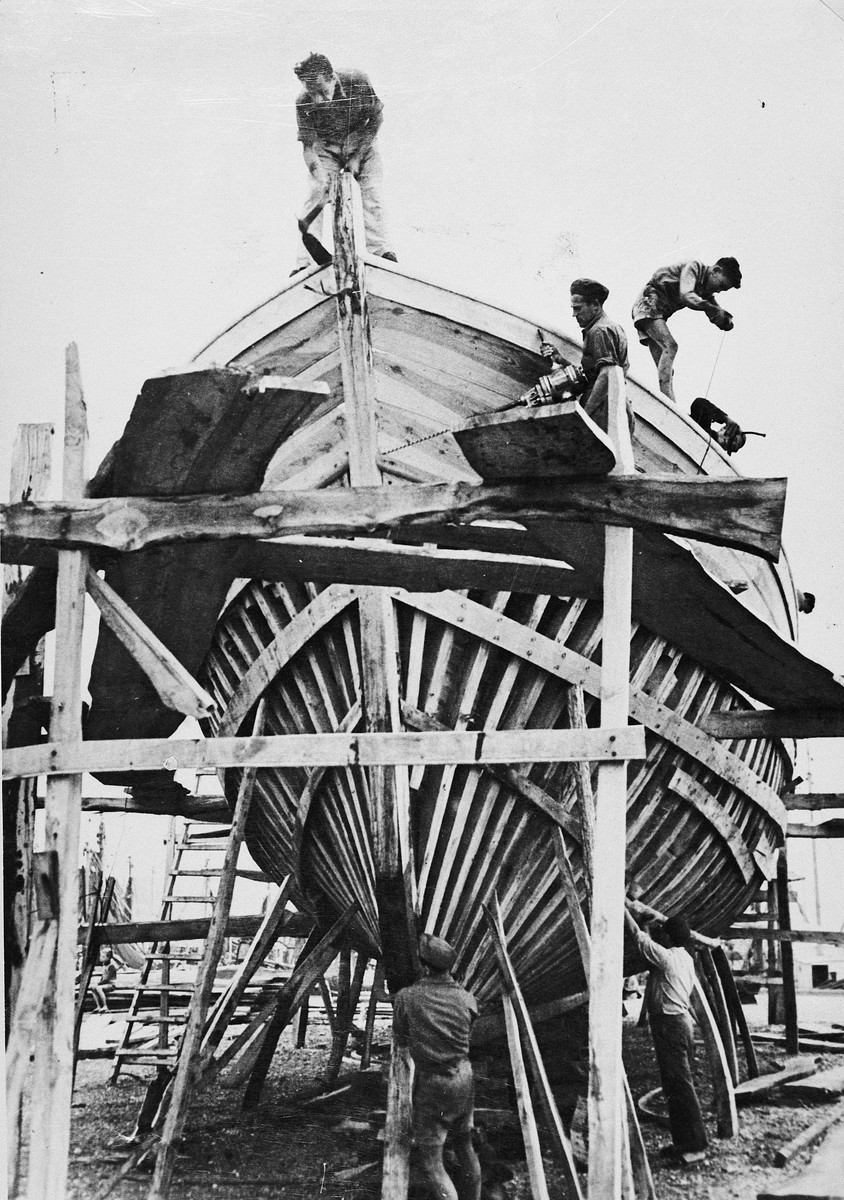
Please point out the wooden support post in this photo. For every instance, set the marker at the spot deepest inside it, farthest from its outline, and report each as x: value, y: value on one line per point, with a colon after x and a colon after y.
x: 371, y: 1009
x: 187, y: 1069
x: 576, y: 709
x: 606, y: 970
x: 389, y: 786
x: 789, y: 992
x: 396, y: 1170
x: 775, y: 1003
x: 722, y: 1084
x: 265, y: 938
x: 100, y: 906
x: 343, y: 1018
x: 53, y: 1077
x: 728, y: 983
x: 527, y: 1118
x: 708, y: 976
x: 327, y: 1004
x: 29, y: 480
x: 312, y: 963
x: 634, y: 1154
x: 302, y: 1024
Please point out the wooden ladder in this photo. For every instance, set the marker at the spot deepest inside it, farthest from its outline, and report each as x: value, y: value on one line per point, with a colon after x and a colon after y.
x: 193, y: 839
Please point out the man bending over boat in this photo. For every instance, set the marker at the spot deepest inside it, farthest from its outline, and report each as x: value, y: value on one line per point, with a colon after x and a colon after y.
x: 604, y: 345
x: 338, y: 116
x: 683, y: 285
x: 672, y: 1028
x: 433, y: 1019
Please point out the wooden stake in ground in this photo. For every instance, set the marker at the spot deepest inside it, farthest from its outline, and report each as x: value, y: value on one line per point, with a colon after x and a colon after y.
x: 789, y: 992
x: 606, y: 972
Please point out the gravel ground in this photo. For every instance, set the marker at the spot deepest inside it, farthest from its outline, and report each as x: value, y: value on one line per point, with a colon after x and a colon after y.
x: 283, y: 1150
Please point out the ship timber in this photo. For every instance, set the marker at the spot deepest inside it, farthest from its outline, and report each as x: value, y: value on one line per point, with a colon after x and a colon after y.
x: 703, y: 816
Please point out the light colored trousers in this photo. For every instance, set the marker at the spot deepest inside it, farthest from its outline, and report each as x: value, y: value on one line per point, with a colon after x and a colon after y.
x: 368, y: 172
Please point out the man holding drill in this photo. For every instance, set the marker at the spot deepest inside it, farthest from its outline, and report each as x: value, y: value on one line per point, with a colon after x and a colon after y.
x: 338, y: 116
x: 682, y: 285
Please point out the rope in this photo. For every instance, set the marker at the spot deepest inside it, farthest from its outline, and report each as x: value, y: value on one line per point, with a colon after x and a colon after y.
x: 706, y: 397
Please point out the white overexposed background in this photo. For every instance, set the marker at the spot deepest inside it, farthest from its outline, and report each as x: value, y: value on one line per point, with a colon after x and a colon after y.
x: 151, y: 175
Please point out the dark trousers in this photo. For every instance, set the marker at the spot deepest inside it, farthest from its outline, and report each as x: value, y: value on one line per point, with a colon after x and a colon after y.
x: 675, y: 1054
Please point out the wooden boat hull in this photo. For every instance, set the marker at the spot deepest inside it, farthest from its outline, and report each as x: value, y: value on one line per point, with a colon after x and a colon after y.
x: 703, y: 817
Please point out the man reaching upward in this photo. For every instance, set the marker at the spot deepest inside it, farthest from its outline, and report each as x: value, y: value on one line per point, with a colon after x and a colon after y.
x: 338, y: 116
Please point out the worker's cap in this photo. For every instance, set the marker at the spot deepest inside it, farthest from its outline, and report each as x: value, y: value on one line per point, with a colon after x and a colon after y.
x: 678, y: 930
x: 731, y: 269
x: 436, y: 952
x: 591, y: 291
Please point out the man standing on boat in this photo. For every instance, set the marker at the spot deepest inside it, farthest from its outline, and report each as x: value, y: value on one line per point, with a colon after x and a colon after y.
x: 433, y: 1019
x: 682, y: 285
x: 670, y: 988
x: 604, y: 345
x: 338, y: 117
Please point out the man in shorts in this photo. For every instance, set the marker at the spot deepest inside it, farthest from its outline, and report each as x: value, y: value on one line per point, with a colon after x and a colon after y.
x: 432, y: 1019
x: 682, y: 285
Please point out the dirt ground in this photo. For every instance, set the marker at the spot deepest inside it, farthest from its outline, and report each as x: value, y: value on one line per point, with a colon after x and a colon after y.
x: 286, y: 1151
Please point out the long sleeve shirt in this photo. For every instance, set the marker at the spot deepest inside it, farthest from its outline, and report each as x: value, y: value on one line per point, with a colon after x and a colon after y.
x: 674, y: 977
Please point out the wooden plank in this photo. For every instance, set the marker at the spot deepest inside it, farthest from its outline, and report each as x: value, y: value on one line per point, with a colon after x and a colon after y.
x: 822, y: 1086
x: 711, y: 981
x: 821, y: 1180
x: 397, y: 1127
x: 728, y: 983
x: 807, y: 1044
x: 213, y: 809
x: 53, y: 1079
x: 763, y: 1085
x: 329, y: 749
x: 825, y: 937
x: 490, y: 1027
x: 826, y: 829
x: 264, y: 940
x: 682, y: 784
x: 808, y: 1136
x: 549, y: 441
x: 176, y: 686
x: 812, y: 801
x: 561, y: 1147
x: 744, y: 513
x: 418, y: 568
x: 722, y: 1084
x: 802, y: 723
x: 527, y: 1119
x: 194, y: 929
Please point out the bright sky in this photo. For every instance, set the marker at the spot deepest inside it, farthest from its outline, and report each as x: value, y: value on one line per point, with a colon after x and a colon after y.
x: 152, y: 176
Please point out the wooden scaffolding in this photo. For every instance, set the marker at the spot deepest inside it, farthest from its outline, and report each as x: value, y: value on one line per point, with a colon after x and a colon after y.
x: 72, y: 528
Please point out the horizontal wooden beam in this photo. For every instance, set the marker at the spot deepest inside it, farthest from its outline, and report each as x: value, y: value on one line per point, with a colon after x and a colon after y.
x: 826, y: 829
x: 192, y: 929
x: 812, y: 801
x: 193, y: 808
x: 824, y: 937
x: 329, y: 750
x: 744, y: 513
x: 776, y: 723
